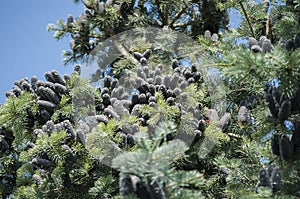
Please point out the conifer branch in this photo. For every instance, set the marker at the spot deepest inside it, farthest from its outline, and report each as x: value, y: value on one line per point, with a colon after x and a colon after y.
x: 182, y: 25
x: 247, y: 18
x: 234, y: 136
x: 157, y: 2
x: 237, y: 90
x: 178, y: 15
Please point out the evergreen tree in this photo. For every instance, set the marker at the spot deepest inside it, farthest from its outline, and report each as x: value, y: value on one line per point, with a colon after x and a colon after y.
x: 126, y: 145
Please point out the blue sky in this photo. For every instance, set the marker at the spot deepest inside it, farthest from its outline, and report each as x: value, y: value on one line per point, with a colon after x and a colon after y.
x: 27, y: 49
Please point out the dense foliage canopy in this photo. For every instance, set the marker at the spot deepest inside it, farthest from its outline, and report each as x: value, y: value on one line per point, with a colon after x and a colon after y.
x: 215, y: 116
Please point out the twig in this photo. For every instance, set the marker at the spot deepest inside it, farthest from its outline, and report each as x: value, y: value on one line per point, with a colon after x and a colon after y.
x: 244, y: 175
x: 247, y: 18
x: 125, y: 53
x: 217, y: 64
x: 268, y: 25
x: 182, y: 25
x: 234, y: 136
x: 178, y: 15
x: 237, y: 90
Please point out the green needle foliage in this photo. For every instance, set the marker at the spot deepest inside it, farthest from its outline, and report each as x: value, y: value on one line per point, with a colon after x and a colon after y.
x: 154, y: 126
